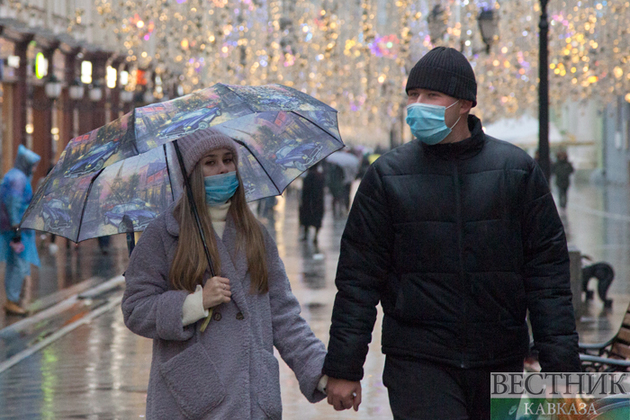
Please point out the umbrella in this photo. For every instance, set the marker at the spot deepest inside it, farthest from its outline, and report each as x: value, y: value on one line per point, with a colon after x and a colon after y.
x: 119, y: 177
x: 343, y: 159
x: 522, y: 131
x: 348, y: 162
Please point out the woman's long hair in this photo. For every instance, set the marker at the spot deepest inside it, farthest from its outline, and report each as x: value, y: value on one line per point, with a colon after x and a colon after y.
x: 190, y: 264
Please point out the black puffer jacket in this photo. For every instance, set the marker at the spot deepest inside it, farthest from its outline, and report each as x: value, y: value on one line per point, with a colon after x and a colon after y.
x: 457, y: 242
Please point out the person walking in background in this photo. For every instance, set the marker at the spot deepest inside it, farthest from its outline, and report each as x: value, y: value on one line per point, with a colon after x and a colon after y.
x: 227, y: 371
x: 265, y: 207
x: 341, y: 172
x: 103, y: 244
x: 52, y: 247
x: 457, y: 236
x: 17, y: 246
x: 335, y: 183
x: 562, y: 169
x: 350, y: 171
x: 311, y: 211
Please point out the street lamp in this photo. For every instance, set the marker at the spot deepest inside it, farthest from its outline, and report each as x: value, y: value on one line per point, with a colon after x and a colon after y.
x: 543, y: 93
x: 437, y: 23
x: 53, y: 87
x: 96, y: 92
x: 126, y: 96
x: 489, y: 28
x: 76, y: 90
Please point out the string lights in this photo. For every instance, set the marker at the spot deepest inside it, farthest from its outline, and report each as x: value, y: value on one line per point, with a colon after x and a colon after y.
x: 355, y: 55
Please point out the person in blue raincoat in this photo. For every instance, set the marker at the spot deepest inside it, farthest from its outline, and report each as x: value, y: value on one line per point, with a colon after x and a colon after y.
x: 17, y: 247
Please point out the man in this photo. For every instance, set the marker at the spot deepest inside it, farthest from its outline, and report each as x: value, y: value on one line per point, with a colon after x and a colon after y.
x: 562, y: 169
x: 17, y: 247
x: 457, y: 236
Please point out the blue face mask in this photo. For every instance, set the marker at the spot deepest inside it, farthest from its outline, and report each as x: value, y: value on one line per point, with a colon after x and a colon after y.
x: 220, y: 188
x: 427, y: 122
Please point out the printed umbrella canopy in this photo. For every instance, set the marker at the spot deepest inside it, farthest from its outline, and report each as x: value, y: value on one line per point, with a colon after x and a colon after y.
x: 119, y: 177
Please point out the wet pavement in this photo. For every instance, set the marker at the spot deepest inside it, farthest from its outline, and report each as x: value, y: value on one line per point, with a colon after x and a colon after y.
x: 99, y: 370
x: 72, y: 269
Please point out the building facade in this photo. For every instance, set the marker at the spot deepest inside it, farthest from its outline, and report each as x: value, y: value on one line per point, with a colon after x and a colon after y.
x: 61, y: 76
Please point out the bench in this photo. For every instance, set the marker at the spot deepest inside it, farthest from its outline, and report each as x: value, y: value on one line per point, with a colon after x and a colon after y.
x: 610, y: 356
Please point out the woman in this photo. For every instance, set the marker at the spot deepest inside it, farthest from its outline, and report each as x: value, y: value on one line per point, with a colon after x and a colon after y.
x: 311, y: 211
x: 228, y: 371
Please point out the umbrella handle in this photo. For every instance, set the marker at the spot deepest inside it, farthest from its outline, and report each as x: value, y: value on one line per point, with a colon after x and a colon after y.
x: 193, y: 207
x: 131, y: 239
x: 206, y: 321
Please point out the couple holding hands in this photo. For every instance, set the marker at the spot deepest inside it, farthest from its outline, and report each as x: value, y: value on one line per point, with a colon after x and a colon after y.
x: 455, y: 234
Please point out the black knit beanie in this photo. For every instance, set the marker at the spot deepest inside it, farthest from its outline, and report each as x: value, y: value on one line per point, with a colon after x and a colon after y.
x: 444, y: 70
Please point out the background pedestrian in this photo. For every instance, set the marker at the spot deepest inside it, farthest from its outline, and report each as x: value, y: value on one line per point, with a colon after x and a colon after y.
x: 311, y: 210
x: 562, y: 170
x: 17, y: 246
x: 265, y: 207
x: 52, y: 247
x: 335, y: 179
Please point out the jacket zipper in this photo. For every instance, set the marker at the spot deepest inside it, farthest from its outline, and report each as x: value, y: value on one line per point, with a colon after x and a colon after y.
x: 462, y: 278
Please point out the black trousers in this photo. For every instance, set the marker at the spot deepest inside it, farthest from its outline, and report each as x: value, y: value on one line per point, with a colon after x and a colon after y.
x: 562, y: 192
x: 420, y: 389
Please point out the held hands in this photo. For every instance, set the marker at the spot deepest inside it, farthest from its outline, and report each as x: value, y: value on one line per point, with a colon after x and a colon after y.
x: 343, y: 394
x: 216, y: 291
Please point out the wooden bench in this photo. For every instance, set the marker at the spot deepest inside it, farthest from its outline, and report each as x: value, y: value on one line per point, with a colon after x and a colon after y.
x: 610, y: 356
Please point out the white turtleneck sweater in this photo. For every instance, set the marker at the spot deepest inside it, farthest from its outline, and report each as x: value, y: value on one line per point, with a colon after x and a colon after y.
x: 193, y: 309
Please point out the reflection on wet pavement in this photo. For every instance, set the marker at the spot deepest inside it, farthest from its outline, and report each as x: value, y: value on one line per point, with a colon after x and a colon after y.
x: 71, y: 265
x: 98, y: 371
x: 597, y: 222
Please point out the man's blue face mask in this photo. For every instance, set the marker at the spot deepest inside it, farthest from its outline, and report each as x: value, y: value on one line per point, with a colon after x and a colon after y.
x: 427, y: 122
x: 220, y: 188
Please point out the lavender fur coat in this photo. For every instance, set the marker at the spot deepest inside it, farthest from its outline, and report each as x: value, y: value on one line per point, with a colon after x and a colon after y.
x: 229, y: 371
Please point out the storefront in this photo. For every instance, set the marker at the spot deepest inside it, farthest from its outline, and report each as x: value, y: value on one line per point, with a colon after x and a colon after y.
x: 44, y: 102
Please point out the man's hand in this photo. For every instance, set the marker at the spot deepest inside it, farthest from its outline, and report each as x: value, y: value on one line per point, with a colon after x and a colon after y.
x: 343, y: 394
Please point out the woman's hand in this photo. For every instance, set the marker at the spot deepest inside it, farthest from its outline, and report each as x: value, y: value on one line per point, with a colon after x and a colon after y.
x: 216, y: 291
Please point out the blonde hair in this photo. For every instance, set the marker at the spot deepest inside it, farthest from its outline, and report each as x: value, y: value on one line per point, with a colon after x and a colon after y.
x: 190, y: 264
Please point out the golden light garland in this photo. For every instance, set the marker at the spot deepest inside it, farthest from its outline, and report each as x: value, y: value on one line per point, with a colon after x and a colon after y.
x: 356, y: 55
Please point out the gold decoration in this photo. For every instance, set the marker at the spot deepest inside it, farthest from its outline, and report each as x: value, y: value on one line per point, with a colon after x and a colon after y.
x: 355, y: 55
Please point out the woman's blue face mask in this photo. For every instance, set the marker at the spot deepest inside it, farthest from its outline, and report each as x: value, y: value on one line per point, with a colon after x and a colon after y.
x: 220, y: 188
x: 427, y: 122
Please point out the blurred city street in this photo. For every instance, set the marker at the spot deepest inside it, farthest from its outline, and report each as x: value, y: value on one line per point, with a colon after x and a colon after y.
x: 99, y: 370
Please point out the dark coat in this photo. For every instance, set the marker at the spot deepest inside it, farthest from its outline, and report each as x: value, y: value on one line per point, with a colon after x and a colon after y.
x: 457, y: 242
x: 335, y: 180
x: 312, y: 203
x: 229, y: 371
x: 562, y: 169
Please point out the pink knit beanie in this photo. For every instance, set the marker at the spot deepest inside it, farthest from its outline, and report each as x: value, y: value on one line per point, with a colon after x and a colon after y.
x: 195, y: 145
